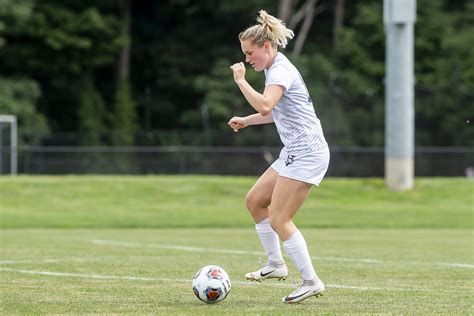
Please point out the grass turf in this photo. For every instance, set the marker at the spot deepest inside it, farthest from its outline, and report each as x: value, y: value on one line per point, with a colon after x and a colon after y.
x: 85, y: 245
x: 209, y: 201
x: 149, y: 271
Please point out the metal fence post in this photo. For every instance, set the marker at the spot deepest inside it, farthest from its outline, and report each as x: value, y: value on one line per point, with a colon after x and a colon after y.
x: 399, y: 19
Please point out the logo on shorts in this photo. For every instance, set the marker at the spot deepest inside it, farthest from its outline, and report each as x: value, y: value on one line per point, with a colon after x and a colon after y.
x: 290, y: 160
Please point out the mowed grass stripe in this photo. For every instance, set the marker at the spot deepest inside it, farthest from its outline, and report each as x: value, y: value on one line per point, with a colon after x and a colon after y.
x: 187, y: 281
x: 243, y: 252
x: 213, y: 201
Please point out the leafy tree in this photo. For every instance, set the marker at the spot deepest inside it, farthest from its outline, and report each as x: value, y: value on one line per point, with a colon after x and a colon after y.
x: 13, y: 10
x: 60, y: 42
x: 346, y: 82
x: 180, y: 51
x: 92, y: 114
x: 18, y: 97
x: 176, y: 42
x: 123, y: 119
x: 444, y: 73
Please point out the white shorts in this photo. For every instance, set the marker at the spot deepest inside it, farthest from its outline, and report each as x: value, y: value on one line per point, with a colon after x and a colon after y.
x: 309, y: 168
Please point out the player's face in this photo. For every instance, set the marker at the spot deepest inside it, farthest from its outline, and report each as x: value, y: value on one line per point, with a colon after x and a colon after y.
x: 258, y: 57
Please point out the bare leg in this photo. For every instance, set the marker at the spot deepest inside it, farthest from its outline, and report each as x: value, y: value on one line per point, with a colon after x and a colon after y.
x: 260, y: 195
x: 288, y: 196
x: 257, y: 201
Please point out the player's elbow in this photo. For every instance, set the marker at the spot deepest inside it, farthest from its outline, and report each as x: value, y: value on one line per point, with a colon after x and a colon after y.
x: 266, y: 108
x: 265, y: 111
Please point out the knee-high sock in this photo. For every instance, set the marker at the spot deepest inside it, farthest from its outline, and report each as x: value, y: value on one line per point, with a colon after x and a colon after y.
x: 270, y: 242
x: 296, y: 248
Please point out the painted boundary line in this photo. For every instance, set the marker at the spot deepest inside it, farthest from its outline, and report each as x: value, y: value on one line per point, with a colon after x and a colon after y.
x: 186, y: 281
x: 5, y: 262
x: 243, y: 252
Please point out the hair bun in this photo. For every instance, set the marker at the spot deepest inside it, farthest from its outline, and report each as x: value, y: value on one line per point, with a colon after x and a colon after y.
x: 269, y: 29
x: 263, y: 18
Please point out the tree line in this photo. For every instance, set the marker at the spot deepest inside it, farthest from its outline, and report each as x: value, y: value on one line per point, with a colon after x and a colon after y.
x: 122, y: 72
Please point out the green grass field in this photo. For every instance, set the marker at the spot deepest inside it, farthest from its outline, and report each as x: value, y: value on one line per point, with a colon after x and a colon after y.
x: 108, y: 245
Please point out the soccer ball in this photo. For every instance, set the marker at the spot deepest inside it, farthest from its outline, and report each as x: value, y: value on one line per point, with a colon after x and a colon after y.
x: 211, y: 284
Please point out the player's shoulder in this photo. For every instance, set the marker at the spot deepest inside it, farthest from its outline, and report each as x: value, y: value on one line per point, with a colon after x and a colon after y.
x: 281, y: 62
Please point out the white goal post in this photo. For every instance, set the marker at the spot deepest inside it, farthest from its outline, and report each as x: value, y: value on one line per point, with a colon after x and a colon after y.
x: 11, y: 121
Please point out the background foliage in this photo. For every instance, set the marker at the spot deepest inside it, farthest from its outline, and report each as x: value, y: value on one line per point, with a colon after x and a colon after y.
x: 65, y: 56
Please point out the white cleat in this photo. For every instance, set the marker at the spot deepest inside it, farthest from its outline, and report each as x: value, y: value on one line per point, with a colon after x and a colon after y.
x: 268, y: 272
x: 303, y: 292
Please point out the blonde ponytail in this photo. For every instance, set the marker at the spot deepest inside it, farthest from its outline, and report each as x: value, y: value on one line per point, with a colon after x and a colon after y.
x: 270, y: 29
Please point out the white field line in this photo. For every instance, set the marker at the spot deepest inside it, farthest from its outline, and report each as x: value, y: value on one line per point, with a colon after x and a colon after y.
x: 186, y: 281
x: 456, y: 265
x: 215, y: 250
x: 243, y: 252
x: 3, y: 262
x: 7, y: 262
x: 88, y: 276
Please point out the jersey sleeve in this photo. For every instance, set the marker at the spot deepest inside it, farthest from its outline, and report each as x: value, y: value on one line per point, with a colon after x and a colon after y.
x: 281, y: 76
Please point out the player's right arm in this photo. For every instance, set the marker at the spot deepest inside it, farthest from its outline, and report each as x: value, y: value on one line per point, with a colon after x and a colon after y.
x: 237, y: 122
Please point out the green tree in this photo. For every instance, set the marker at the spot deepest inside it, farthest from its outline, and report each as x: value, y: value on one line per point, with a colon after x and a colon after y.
x: 176, y: 42
x: 58, y: 44
x: 13, y: 10
x: 181, y: 51
x: 346, y: 82
x: 124, y: 116
x: 444, y: 73
x: 18, y: 97
x: 92, y: 114
x: 123, y: 119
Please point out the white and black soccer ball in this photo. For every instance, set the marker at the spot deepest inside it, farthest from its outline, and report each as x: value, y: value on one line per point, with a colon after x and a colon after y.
x: 211, y: 284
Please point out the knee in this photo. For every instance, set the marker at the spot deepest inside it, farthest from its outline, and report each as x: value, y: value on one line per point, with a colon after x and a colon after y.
x: 254, y: 201
x: 251, y: 201
x: 277, y: 221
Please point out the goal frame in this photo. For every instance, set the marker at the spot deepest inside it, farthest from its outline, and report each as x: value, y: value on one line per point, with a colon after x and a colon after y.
x: 12, y: 122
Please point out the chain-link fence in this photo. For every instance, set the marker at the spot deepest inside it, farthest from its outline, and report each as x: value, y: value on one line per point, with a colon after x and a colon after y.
x: 345, y: 161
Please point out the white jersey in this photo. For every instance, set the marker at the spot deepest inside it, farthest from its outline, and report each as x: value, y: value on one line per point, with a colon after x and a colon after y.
x: 294, y: 116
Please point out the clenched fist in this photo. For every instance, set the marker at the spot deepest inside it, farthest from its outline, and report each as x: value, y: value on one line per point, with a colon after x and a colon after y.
x: 238, y: 70
x: 237, y: 123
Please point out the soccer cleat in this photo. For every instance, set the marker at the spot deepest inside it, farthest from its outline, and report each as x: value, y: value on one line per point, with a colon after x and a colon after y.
x: 303, y: 292
x: 268, y: 272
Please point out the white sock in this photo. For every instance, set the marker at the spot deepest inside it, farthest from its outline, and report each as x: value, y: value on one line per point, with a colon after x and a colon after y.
x: 296, y: 248
x: 270, y: 242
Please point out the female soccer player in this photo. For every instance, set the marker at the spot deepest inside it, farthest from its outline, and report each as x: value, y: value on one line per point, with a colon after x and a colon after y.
x: 281, y: 190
